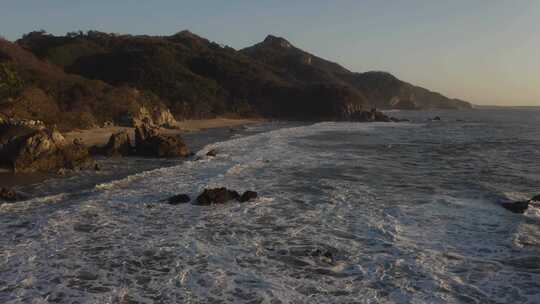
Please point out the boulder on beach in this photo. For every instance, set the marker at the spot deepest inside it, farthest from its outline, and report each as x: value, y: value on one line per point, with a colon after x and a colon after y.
x: 217, y: 196
x: 143, y: 132
x: 119, y: 144
x: 179, y: 199
x: 163, y: 146
x: 31, y: 150
x: 517, y: 207
x: 10, y: 195
x: 149, y: 143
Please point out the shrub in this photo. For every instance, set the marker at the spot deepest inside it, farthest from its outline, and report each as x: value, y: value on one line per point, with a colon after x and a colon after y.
x: 11, y: 84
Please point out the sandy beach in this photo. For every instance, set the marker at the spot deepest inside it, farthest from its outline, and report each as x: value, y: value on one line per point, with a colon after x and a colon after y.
x: 100, y: 136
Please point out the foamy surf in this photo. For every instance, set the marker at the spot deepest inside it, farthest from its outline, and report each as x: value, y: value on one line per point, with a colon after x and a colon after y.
x: 347, y: 213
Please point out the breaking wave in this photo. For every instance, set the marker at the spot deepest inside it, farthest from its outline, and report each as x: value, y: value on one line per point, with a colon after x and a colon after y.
x: 347, y: 212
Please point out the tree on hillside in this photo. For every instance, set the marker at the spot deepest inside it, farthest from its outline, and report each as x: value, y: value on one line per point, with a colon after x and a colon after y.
x: 11, y: 84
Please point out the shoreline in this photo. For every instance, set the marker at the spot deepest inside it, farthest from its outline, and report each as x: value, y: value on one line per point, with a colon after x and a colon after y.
x: 100, y: 136
x: 194, y: 132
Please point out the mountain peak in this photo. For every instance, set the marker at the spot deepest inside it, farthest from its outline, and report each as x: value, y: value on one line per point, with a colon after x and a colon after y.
x: 186, y: 33
x: 278, y: 41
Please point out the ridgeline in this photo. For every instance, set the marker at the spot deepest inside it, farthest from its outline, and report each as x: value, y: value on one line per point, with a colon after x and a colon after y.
x: 83, y: 80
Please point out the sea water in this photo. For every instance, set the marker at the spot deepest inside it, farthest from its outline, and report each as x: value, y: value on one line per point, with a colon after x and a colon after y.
x: 347, y: 213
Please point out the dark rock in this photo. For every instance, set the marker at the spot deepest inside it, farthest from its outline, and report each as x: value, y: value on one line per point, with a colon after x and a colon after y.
x: 248, y: 196
x: 149, y: 143
x: 369, y: 116
x: 87, y: 276
x: 163, y: 146
x: 119, y: 145
x: 212, y: 153
x: 536, y: 198
x: 143, y: 132
x: 87, y: 228
x: 517, y: 207
x: 393, y: 119
x: 10, y: 195
x: 324, y: 253
x: 179, y: 199
x: 436, y: 118
x: 217, y: 196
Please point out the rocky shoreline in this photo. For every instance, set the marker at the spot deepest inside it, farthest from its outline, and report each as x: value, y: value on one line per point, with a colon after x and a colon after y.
x: 34, y: 152
x: 197, y: 132
x: 30, y: 146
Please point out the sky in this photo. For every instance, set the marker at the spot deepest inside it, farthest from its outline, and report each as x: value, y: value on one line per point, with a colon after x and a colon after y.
x: 483, y: 51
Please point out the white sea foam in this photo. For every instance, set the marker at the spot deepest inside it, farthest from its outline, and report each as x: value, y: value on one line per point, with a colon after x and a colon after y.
x: 340, y: 218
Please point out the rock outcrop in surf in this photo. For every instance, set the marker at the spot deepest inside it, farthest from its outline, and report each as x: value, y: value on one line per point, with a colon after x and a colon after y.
x: 10, y: 195
x: 150, y: 143
x: 223, y: 195
x: 521, y: 206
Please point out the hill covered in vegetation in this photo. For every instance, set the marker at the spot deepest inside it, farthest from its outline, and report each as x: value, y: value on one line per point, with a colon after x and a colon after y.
x: 381, y: 89
x: 83, y: 79
x: 33, y: 89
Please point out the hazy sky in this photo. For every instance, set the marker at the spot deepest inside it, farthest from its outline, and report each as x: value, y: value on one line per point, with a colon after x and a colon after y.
x: 487, y: 52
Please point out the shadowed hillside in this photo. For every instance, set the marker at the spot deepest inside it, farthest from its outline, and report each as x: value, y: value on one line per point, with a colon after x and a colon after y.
x: 381, y: 89
x: 33, y: 89
x: 193, y: 77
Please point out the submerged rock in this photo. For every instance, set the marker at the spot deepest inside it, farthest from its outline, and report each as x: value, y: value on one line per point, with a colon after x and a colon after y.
x: 517, y: 207
x: 212, y: 153
x: 393, y: 119
x: 179, y: 199
x: 10, y: 195
x: 536, y: 198
x: 217, y: 196
x: 86, y: 228
x: 248, y: 196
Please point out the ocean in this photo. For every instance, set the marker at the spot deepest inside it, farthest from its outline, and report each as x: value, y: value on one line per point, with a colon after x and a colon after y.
x: 347, y: 213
